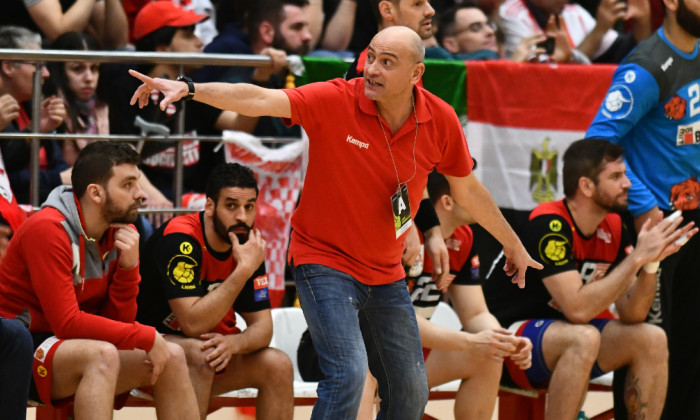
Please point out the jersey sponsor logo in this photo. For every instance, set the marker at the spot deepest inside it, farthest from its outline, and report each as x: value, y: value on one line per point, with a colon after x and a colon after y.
x: 592, y: 271
x: 171, y: 322
x: 41, y: 370
x: 688, y: 134
x: 686, y: 195
x: 555, y: 225
x: 41, y: 352
x: 260, y: 290
x: 543, y: 173
x: 360, y: 144
x: 618, y: 103
x: 260, y: 282
x: 630, y: 76
x: 554, y: 249
x: 181, y: 271
x: 675, y: 108
x: 604, y: 235
x: 476, y: 265
x: 186, y: 248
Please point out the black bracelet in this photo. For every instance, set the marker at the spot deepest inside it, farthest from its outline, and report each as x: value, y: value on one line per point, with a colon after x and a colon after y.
x: 426, y: 217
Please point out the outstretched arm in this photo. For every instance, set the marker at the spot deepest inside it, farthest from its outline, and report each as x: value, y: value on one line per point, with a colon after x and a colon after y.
x: 242, y: 98
x: 471, y: 194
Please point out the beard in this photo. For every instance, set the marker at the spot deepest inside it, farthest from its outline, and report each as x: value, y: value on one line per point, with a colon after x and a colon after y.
x: 612, y: 205
x: 689, y: 21
x: 223, y: 231
x: 115, y: 214
x: 280, y: 43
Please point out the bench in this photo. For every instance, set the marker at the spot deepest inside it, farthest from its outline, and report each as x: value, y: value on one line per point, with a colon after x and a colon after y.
x: 289, y: 324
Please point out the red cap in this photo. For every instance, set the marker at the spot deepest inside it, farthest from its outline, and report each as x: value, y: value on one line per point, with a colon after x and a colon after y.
x: 158, y: 14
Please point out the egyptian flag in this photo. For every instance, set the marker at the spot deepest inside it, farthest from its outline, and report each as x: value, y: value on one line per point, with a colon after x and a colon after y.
x: 522, y: 117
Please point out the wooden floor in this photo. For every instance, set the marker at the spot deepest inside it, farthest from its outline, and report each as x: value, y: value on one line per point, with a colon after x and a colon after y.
x: 596, y: 402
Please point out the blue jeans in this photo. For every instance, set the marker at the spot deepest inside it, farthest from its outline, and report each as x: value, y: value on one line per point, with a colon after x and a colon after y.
x: 16, y: 353
x: 353, y: 326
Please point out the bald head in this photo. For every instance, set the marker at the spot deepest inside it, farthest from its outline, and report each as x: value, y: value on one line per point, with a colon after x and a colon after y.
x: 402, y: 37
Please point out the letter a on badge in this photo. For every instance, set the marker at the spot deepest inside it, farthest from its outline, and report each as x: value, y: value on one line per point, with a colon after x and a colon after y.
x: 402, y: 205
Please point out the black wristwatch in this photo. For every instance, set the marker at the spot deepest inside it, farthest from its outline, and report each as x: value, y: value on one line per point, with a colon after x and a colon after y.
x: 190, y: 86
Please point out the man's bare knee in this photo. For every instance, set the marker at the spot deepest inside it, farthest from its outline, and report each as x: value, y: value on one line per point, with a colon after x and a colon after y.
x: 196, y: 359
x: 653, y: 343
x: 102, y: 357
x: 581, y: 341
x: 278, y: 362
x: 585, y: 339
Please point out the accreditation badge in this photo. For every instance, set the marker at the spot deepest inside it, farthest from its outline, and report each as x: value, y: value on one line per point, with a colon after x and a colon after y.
x: 401, y: 209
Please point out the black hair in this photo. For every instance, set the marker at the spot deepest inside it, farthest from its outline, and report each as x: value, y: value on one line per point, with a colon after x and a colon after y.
x: 437, y: 186
x: 229, y: 175
x: 446, y: 20
x: 161, y: 36
x: 587, y: 158
x: 95, y: 162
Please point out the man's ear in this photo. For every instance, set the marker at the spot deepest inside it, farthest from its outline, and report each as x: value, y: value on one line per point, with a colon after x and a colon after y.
x: 446, y: 202
x: 586, y: 186
x: 386, y: 10
x: 95, y: 193
x: 209, y: 207
x: 7, y: 67
x: 266, y: 32
x: 671, y: 5
x: 418, y: 71
x: 450, y: 44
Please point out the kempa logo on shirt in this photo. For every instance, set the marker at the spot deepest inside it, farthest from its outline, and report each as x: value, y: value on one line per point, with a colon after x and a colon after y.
x: 362, y: 145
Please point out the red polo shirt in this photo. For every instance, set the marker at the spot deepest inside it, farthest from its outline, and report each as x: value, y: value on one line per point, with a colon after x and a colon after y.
x: 344, y: 219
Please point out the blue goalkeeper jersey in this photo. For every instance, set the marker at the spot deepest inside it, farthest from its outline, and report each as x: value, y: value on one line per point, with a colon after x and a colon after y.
x: 652, y: 109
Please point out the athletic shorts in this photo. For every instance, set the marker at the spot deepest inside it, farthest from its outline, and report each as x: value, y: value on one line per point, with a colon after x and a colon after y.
x: 538, y: 375
x: 45, y: 345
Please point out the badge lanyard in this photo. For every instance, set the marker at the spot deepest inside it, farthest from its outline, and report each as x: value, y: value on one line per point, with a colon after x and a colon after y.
x: 400, y: 206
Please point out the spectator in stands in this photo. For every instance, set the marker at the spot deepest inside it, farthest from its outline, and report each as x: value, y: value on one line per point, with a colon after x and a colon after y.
x: 570, y: 24
x: 275, y: 28
x: 205, y: 30
x: 103, y: 19
x: 15, y: 368
x: 467, y: 34
x: 347, y: 240
x: 164, y: 27
x: 197, y: 269
x: 341, y: 27
x: 589, y: 264
x: 81, y: 284
x: 11, y: 215
x: 18, y: 82
x: 76, y: 83
x: 271, y: 27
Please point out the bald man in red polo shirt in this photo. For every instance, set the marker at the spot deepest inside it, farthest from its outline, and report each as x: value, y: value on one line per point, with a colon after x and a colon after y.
x: 373, y: 142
